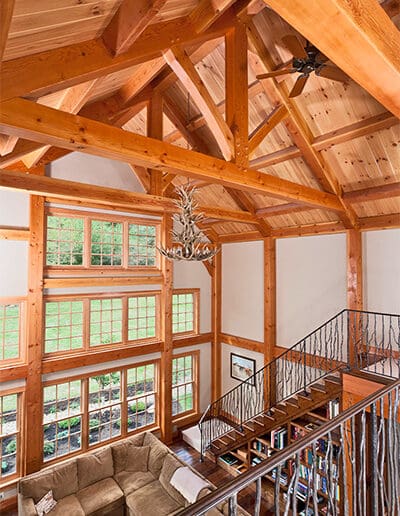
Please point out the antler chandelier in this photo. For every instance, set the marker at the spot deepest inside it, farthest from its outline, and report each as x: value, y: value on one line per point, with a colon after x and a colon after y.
x: 189, y: 243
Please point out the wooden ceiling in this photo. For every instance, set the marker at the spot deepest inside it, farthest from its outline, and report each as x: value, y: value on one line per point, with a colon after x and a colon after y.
x: 111, y: 77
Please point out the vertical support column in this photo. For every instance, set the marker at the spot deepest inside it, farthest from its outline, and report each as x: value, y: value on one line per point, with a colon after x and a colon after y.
x: 166, y: 337
x: 34, y: 392
x: 216, y: 303
x: 236, y: 80
x: 155, y: 130
x: 354, y: 293
x: 269, y: 318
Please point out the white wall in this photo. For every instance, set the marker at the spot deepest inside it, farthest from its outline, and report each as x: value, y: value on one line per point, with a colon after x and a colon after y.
x: 14, y: 208
x: 311, y: 284
x: 381, y: 252
x: 243, y: 290
x: 85, y: 168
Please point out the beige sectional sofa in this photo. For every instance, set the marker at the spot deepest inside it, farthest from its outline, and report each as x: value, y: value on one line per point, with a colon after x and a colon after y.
x: 129, y: 477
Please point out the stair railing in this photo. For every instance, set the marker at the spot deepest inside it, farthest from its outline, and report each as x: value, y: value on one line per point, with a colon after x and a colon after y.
x: 349, y: 340
x: 349, y: 465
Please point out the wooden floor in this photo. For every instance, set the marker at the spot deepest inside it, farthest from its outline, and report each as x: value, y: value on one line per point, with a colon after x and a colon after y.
x: 218, y: 476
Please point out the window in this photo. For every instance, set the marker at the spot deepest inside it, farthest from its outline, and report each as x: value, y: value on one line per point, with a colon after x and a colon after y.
x: 10, y: 328
x: 9, y: 435
x: 184, y: 383
x: 65, y: 238
x: 104, y: 407
x: 142, y: 317
x: 110, y: 404
x: 63, y: 326
x: 62, y: 419
x: 80, y: 322
x: 185, y: 311
x: 141, y: 396
x: 105, y: 321
x: 142, y: 245
x: 87, y: 240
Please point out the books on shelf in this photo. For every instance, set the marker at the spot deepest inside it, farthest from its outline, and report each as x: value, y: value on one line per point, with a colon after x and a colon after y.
x: 333, y: 409
x: 279, y: 438
x: 262, y: 447
x: 229, y: 459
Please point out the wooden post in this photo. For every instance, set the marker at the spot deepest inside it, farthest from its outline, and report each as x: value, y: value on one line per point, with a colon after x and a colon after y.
x: 354, y: 291
x: 155, y: 130
x: 166, y: 337
x: 34, y: 392
x: 269, y: 317
x: 216, y: 300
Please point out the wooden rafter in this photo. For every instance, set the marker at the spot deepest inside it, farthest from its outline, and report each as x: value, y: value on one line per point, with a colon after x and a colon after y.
x: 271, y: 121
x: 281, y: 209
x: 57, y: 69
x: 207, y: 12
x: 373, y: 193
x: 367, y: 48
x: 128, y: 23
x: 62, y: 189
x: 6, y: 12
x: 29, y: 120
x: 155, y: 130
x: 297, y: 126
x: 183, y: 67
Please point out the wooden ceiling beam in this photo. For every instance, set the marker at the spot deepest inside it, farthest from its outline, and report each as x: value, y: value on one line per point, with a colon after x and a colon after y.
x: 282, y: 209
x: 366, y: 48
x: 390, y: 221
x: 207, y: 12
x: 128, y: 23
x: 62, y: 189
x: 6, y: 13
x: 60, y: 68
x: 273, y: 158
x: 184, y: 69
x: 26, y: 119
x: 7, y: 144
x: 262, y: 130
x: 245, y: 203
x: 373, y: 193
x: 301, y: 134
x: 391, y: 7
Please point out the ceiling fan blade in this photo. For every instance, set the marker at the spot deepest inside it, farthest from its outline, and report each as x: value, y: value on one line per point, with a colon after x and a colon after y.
x: 299, y: 86
x: 293, y: 44
x: 275, y: 73
x: 333, y: 72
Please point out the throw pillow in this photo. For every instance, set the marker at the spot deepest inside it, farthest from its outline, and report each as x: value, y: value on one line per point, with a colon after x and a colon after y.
x: 137, y: 458
x: 45, y: 504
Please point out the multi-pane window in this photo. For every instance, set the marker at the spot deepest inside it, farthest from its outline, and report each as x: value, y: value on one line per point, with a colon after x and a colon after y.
x: 142, y: 317
x: 184, y: 312
x: 63, y: 326
x: 106, y: 243
x: 104, y: 407
x: 65, y: 240
x: 62, y: 419
x: 105, y: 321
x: 88, y: 240
x: 184, y: 380
x: 10, y: 329
x: 142, y: 245
x: 9, y: 435
x: 141, y: 396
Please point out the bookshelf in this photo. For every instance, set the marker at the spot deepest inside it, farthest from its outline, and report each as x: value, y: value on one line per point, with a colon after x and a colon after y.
x: 262, y: 447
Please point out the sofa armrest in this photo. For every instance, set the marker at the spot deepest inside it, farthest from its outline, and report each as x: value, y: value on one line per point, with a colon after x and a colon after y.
x: 26, y: 506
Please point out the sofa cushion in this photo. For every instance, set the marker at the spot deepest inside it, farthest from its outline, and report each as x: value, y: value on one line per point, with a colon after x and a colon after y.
x: 119, y: 451
x: 95, y: 466
x: 101, y: 497
x: 157, y: 454
x: 69, y: 505
x: 62, y: 479
x: 170, y: 465
x: 137, y: 458
x: 130, y: 482
x: 151, y: 500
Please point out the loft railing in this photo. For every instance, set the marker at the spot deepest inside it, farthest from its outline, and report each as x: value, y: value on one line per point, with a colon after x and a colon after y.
x: 349, y: 340
x: 357, y: 453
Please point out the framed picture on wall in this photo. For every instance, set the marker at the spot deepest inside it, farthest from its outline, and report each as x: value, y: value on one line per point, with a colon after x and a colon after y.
x: 242, y: 368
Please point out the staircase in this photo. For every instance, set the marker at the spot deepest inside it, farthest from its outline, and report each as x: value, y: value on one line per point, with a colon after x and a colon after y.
x: 302, y: 378
x: 315, y: 396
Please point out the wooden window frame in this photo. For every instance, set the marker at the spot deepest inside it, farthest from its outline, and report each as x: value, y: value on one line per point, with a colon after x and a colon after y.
x: 84, y: 378
x: 10, y: 479
x: 86, y: 298
x: 195, y: 383
x: 21, y: 329
x: 196, y: 311
x: 86, y: 266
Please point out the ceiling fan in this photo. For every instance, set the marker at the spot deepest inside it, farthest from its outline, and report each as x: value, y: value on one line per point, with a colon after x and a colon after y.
x: 306, y: 60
